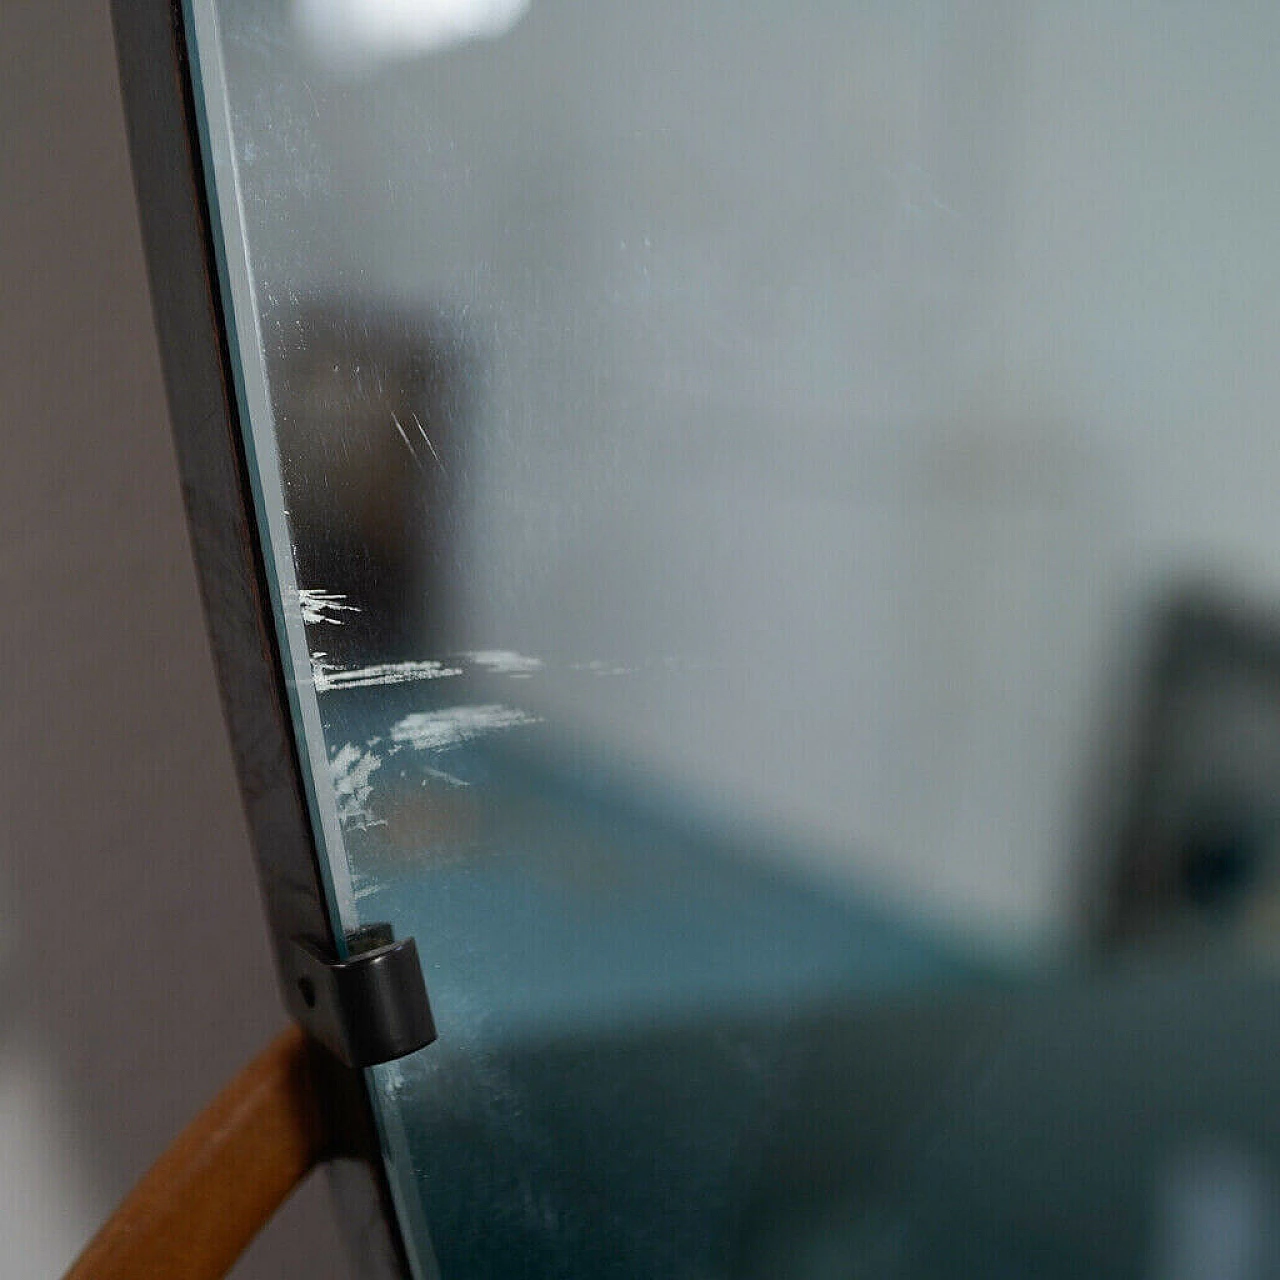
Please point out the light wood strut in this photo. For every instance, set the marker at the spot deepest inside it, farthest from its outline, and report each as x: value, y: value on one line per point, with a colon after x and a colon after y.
x: 209, y: 1194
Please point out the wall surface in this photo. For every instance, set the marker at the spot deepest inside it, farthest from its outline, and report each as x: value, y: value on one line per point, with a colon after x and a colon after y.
x: 134, y: 973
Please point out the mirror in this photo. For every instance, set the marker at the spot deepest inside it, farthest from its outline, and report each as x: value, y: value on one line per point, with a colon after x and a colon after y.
x: 774, y: 526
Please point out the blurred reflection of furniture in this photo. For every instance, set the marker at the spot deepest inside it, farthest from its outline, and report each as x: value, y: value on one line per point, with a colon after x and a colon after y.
x: 370, y: 408
x: 1198, y: 858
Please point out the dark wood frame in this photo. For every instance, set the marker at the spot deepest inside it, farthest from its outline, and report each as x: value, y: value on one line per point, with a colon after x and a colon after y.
x: 168, y: 173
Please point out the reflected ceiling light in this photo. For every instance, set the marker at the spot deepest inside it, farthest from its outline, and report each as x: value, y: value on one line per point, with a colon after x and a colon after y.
x: 350, y: 34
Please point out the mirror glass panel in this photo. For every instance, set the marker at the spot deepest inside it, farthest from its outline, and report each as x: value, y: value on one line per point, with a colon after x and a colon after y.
x: 772, y: 510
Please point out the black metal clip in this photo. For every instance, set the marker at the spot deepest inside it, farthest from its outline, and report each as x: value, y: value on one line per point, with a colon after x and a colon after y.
x: 369, y: 1008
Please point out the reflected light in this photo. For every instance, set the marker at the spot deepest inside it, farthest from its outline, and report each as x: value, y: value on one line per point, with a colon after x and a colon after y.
x: 351, y: 35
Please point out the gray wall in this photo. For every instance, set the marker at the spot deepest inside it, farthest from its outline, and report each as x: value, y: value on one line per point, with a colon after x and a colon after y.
x: 134, y: 975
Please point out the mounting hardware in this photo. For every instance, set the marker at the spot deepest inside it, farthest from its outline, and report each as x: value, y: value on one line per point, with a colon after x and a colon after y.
x: 369, y: 1008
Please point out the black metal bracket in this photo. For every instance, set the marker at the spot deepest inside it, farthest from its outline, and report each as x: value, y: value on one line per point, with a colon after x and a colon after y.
x: 367, y: 1009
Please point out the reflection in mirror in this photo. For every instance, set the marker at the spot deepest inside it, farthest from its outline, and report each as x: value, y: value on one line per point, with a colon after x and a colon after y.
x: 773, y: 518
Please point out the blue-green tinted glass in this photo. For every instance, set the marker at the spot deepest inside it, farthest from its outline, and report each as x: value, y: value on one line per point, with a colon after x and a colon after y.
x: 772, y: 510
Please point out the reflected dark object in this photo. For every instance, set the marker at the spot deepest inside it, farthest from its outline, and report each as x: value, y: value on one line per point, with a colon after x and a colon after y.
x: 370, y: 410
x: 1222, y: 858
x: 1197, y: 857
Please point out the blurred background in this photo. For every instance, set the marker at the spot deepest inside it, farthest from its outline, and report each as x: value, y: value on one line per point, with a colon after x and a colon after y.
x: 134, y: 969
x: 856, y: 429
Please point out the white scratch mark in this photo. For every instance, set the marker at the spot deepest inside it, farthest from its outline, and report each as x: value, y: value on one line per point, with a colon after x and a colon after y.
x: 319, y: 606
x: 413, y: 453
x: 505, y: 662
x: 453, y: 726
x: 598, y: 667
x: 352, y: 770
x: 422, y: 431
x: 327, y: 677
x: 442, y: 776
